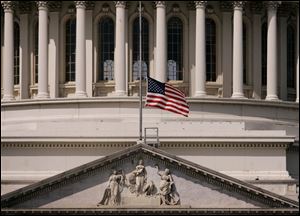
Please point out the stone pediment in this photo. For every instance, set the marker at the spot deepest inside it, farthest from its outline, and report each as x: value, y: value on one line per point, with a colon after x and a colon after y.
x: 143, y: 177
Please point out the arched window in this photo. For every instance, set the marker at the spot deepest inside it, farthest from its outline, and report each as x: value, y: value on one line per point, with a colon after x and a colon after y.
x: 70, y: 57
x: 291, y: 69
x: 264, y: 35
x: 16, y: 53
x: 106, y: 48
x: 244, y: 53
x: 136, y: 48
x: 175, y: 42
x: 36, y: 51
x: 210, y: 38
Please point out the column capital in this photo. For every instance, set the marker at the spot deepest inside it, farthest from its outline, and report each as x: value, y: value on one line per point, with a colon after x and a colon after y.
x: 200, y: 4
x: 256, y: 7
x: 42, y: 5
x: 120, y: 4
x: 160, y: 4
x: 225, y: 6
x: 80, y: 4
x: 238, y: 5
x: 272, y: 5
x: 8, y: 6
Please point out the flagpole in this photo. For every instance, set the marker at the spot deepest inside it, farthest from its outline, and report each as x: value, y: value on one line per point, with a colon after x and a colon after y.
x: 140, y: 72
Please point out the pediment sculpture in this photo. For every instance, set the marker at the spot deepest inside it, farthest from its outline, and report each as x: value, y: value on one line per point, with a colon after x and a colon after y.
x: 139, y: 185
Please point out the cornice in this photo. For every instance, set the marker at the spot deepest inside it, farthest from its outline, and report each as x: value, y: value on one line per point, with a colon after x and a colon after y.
x: 207, y: 175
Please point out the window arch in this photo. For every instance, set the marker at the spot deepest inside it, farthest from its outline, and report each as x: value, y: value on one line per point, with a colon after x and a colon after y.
x: 264, y: 35
x: 210, y: 38
x: 291, y: 69
x: 136, y: 48
x: 175, y: 49
x: 36, y: 51
x: 70, y: 55
x: 106, y: 46
x: 16, y: 53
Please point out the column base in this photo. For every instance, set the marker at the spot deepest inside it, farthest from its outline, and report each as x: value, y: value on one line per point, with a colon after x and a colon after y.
x: 43, y: 95
x: 119, y: 93
x: 200, y: 94
x: 8, y: 98
x: 272, y: 98
x: 80, y: 94
x: 238, y: 95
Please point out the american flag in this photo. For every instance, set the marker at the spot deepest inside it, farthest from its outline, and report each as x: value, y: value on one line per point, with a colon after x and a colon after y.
x: 166, y: 97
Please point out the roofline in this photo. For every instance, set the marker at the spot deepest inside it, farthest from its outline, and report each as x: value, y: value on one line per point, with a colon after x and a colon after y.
x: 228, y: 182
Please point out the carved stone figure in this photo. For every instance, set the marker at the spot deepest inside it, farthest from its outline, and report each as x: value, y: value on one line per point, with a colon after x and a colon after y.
x: 138, y: 179
x: 112, y: 194
x: 168, y: 193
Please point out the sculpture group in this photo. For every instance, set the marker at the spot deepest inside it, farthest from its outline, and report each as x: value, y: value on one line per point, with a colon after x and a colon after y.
x: 138, y: 184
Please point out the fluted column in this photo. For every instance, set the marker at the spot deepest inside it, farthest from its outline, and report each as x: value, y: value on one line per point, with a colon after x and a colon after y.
x: 43, y: 50
x: 297, y: 65
x: 8, y: 67
x: 80, y: 75
x: 200, y: 76
x: 120, y: 72
x: 238, y: 50
x: 161, y: 42
x: 272, y: 51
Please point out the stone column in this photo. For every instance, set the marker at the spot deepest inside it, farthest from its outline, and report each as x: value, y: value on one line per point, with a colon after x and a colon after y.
x: 283, y: 16
x: 120, y: 79
x: 256, y: 55
x: 43, y: 50
x: 25, y: 10
x: 272, y: 51
x: 8, y: 67
x: 161, y: 42
x: 238, y: 49
x: 80, y: 73
x: 297, y: 65
x: 226, y: 9
x: 200, y: 76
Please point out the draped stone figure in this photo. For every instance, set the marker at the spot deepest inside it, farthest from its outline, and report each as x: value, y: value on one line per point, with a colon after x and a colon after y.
x: 112, y: 194
x: 168, y: 193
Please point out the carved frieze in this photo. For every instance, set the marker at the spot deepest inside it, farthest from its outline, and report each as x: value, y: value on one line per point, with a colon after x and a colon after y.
x: 239, y: 5
x: 225, y: 6
x: 272, y: 5
x: 25, y: 7
x: 256, y: 7
x: 55, y: 6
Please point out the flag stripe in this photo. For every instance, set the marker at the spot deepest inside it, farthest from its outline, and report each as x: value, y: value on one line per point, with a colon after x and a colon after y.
x: 167, y: 108
x: 166, y: 97
x: 157, y: 97
x: 176, y: 90
x: 168, y: 104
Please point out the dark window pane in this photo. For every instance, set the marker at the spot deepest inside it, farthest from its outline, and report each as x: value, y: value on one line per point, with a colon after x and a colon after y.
x: 175, y: 48
x: 16, y: 53
x: 210, y: 36
x: 70, y: 56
